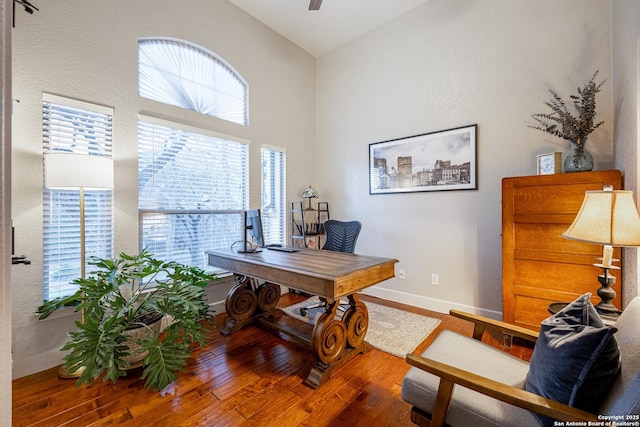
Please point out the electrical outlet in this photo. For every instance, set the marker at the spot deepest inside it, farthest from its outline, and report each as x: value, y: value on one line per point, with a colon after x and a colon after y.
x: 401, y: 274
x: 435, y: 279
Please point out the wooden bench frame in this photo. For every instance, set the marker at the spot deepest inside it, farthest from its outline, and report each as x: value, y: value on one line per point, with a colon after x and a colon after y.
x: 450, y: 376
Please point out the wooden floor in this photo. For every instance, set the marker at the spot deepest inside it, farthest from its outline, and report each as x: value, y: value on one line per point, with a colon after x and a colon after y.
x: 252, y: 378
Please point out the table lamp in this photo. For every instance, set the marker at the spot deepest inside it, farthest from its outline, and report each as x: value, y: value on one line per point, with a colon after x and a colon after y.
x: 78, y: 171
x: 607, y: 217
x: 309, y: 193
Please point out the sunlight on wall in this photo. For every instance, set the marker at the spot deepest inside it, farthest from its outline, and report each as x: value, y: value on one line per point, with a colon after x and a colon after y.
x: 638, y: 148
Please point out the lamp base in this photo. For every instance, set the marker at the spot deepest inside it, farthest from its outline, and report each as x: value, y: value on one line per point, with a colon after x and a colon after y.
x: 64, y: 373
x: 605, y: 307
x: 309, y: 207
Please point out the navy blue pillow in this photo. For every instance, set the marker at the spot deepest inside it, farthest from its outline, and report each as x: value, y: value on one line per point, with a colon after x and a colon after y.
x: 575, y: 358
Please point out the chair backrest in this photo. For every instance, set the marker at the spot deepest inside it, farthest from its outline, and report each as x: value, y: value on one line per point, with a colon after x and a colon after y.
x: 341, y: 235
x: 623, y: 397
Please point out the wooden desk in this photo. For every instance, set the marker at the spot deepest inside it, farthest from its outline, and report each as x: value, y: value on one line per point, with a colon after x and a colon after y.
x: 330, y: 275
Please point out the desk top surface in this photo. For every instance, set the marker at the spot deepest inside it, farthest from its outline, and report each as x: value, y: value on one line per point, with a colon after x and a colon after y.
x: 320, y: 272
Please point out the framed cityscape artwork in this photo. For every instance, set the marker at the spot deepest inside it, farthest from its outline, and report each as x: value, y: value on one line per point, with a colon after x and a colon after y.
x: 437, y: 161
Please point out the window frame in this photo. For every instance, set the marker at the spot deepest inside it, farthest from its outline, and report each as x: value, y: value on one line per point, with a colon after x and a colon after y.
x: 233, y: 214
x: 96, y: 202
x: 273, y: 199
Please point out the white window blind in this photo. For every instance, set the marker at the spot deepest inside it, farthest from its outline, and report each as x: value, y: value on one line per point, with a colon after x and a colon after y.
x: 192, y: 187
x: 186, y: 75
x: 74, y: 127
x: 273, y: 194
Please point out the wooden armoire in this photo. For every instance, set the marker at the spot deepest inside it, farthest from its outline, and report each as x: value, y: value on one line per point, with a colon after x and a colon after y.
x: 539, y: 266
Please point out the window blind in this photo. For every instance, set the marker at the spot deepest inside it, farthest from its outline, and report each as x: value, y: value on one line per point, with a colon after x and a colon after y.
x: 186, y: 75
x: 74, y: 127
x: 192, y: 188
x: 273, y: 194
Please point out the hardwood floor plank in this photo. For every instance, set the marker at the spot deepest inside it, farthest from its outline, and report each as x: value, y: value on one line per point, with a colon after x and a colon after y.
x: 275, y: 411
x: 193, y: 407
x: 66, y: 400
x: 116, y: 419
x: 251, y: 378
x: 240, y: 381
x: 231, y: 418
x: 394, y: 412
x: 149, y: 415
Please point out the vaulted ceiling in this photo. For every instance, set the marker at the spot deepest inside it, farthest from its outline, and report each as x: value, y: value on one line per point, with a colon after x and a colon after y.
x: 335, y: 23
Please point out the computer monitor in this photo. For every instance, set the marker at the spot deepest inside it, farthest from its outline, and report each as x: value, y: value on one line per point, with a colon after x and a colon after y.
x: 253, y: 232
x: 254, y: 225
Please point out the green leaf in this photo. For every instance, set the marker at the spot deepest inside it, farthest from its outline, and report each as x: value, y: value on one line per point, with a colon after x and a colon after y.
x: 98, y: 348
x: 50, y: 306
x: 165, y: 359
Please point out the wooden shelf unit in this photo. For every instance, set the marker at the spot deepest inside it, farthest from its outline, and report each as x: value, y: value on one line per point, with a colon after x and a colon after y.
x: 539, y: 266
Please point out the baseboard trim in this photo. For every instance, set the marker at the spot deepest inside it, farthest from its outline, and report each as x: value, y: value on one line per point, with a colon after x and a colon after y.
x: 434, y: 304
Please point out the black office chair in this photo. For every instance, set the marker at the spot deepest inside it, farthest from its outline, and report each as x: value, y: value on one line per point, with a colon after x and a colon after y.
x: 341, y: 237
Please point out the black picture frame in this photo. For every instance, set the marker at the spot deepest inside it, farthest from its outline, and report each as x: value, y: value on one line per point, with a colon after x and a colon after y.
x: 438, y: 161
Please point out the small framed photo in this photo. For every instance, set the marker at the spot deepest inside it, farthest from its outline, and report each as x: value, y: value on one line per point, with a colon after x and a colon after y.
x: 550, y: 163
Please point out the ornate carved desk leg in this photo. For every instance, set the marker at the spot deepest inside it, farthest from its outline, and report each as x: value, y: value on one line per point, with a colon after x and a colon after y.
x: 329, y: 337
x: 268, y: 296
x: 356, y: 318
x: 246, y: 301
x: 336, y: 341
x: 328, y: 341
x: 241, y: 304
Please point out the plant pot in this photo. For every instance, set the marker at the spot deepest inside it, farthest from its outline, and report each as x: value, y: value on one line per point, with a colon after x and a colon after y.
x: 578, y: 159
x: 136, y: 332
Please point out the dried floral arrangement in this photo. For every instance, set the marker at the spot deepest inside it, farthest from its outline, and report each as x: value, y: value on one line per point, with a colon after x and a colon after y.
x: 562, y: 123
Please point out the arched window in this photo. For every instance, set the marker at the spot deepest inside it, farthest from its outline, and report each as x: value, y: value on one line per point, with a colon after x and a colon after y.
x: 186, y: 75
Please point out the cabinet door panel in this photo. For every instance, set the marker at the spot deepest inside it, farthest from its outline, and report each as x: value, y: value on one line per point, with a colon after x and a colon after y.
x: 539, y: 266
x: 549, y: 276
x: 550, y: 199
x: 530, y: 311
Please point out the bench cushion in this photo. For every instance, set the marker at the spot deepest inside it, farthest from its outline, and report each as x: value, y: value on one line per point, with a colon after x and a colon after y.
x: 419, y: 388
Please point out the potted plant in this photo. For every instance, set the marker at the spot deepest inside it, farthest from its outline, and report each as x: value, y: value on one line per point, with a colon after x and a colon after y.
x: 575, y: 129
x: 130, y: 293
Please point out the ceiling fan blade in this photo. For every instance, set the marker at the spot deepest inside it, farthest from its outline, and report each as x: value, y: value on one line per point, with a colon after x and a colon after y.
x: 315, y: 4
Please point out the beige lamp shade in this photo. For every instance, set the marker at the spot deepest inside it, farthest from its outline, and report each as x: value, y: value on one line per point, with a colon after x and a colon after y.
x: 72, y: 170
x: 607, y: 217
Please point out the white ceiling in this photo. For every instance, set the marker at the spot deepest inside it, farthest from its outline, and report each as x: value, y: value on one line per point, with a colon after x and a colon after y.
x: 337, y: 22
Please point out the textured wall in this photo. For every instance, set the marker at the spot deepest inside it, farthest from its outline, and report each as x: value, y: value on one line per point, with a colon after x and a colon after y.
x: 451, y: 63
x: 626, y: 72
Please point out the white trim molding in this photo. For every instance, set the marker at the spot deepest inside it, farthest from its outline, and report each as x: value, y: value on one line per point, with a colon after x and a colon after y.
x: 441, y: 306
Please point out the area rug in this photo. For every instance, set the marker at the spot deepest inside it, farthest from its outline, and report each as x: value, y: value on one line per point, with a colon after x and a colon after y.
x: 390, y: 330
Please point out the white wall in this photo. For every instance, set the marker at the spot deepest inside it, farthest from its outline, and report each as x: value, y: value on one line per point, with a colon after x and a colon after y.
x: 88, y: 50
x: 450, y: 63
x: 625, y: 76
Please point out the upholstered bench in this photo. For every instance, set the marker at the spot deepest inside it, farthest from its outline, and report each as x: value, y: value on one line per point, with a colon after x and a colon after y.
x: 460, y: 381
